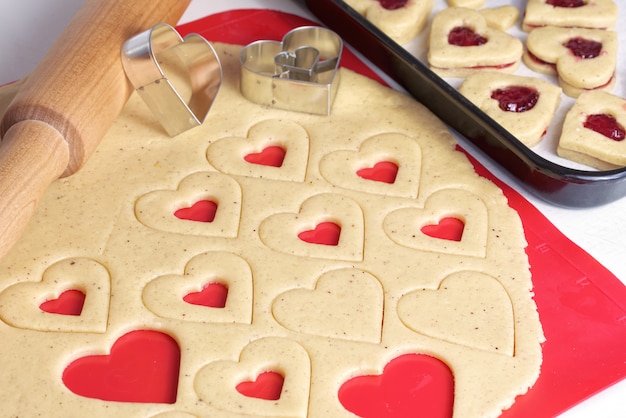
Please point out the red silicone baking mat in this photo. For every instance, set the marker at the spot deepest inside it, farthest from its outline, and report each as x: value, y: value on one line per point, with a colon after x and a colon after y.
x: 581, y: 304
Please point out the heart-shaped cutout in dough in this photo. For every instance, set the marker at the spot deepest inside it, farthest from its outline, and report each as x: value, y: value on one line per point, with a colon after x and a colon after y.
x: 233, y: 155
x: 157, y: 209
x: 282, y: 231
x: 20, y: 304
x: 331, y: 308
x: 469, y: 308
x: 415, y: 384
x: 342, y: 168
x: 165, y: 295
x: 142, y: 366
x: 217, y: 382
x: 405, y: 226
x: 497, y: 51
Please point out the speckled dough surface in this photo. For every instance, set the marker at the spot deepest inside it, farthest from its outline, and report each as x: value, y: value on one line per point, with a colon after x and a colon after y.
x: 319, y: 314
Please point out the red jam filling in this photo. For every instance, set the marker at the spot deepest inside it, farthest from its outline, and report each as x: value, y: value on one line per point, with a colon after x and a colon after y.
x: 393, y: 4
x: 516, y: 98
x: 584, y: 48
x: 605, y: 125
x: 566, y: 3
x: 465, y: 36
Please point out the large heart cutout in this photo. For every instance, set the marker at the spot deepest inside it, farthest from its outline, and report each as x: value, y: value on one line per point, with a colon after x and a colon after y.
x: 498, y: 51
x: 158, y: 209
x: 412, y: 385
x: 286, y: 141
x: 356, y: 170
x: 469, y: 308
x: 283, y: 231
x: 230, y: 385
x: 345, y: 304
x: 142, y: 367
x: 190, y: 296
x: 55, y: 303
x: 409, y: 227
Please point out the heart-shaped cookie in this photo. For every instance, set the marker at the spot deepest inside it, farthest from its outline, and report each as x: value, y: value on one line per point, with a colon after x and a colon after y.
x: 400, y: 20
x: 461, y: 42
x: 597, y: 14
x: 157, y: 209
x: 525, y: 115
x: 409, y: 385
x: 249, y: 156
x: 583, y: 59
x: 142, y: 366
x: 331, y: 310
x: 169, y: 296
x: 282, y: 232
x: 501, y: 17
x: 355, y: 169
x: 406, y: 226
x: 217, y: 383
x: 298, y: 74
x: 469, y: 308
x: 21, y: 303
x: 594, y: 130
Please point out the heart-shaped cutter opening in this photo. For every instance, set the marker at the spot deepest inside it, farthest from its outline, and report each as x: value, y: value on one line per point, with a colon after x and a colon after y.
x: 178, y: 78
x: 298, y: 74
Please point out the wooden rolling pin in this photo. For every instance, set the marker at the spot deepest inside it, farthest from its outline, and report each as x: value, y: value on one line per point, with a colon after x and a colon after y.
x: 64, y: 108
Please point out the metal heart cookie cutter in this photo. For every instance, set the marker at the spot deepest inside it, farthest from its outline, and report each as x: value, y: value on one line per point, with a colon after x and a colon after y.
x: 298, y: 74
x: 178, y: 78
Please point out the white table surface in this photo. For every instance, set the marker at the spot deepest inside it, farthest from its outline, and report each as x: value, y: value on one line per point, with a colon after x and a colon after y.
x: 29, y: 27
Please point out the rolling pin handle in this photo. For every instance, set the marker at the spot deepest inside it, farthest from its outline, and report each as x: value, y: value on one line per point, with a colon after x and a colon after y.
x: 32, y: 155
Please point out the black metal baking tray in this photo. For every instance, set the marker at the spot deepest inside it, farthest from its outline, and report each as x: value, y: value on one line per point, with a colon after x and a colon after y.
x: 557, y: 184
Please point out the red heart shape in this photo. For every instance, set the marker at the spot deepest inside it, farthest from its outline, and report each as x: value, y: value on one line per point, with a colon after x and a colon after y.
x: 202, y: 211
x: 383, y: 171
x: 70, y: 302
x: 212, y: 295
x: 272, y: 156
x: 449, y: 228
x: 143, y: 367
x: 411, y: 385
x: 268, y: 386
x: 325, y: 233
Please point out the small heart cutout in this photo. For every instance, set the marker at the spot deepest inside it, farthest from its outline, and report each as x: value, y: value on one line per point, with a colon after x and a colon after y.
x: 448, y: 228
x: 268, y: 386
x: 272, y: 156
x: 201, y: 211
x: 412, y: 385
x: 142, y: 367
x: 69, y: 302
x: 212, y: 295
x: 383, y: 171
x: 325, y: 233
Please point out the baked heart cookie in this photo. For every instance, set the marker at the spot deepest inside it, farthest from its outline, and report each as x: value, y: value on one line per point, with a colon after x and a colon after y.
x: 502, y: 17
x: 583, y: 59
x: 594, y: 131
x: 224, y: 280
x: 597, y: 14
x: 461, y: 42
x: 401, y: 20
x: 524, y: 106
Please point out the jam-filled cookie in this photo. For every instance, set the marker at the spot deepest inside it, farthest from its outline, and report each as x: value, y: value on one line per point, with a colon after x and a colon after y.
x: 401, y: 20
x: 597, y: 14
x: 594, y: 131
x: 583, y: 59
x: 461, y: 42
x: 524, y: 106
